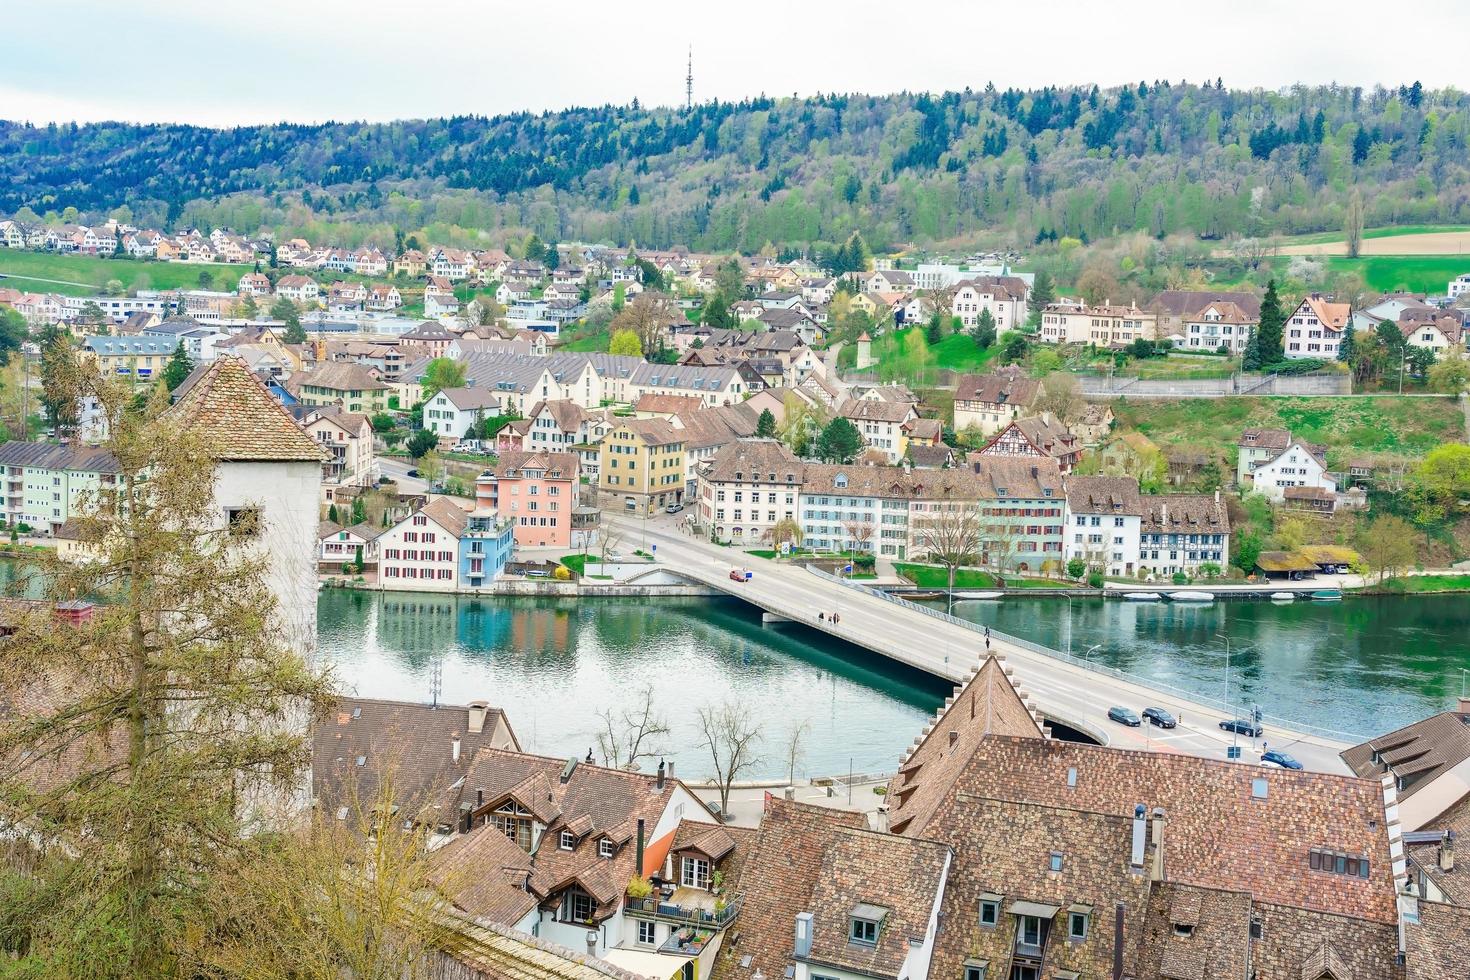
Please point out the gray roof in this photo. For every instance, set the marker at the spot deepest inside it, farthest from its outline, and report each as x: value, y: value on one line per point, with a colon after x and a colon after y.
x: 140, y: 346
x: 684, y: 376
x: 51, y: 456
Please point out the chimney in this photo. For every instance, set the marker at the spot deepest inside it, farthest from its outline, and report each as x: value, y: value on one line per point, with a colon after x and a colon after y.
x: 1463, y: 707
x: 638, y: 854
x: 1140, y: 835
x: 454, y: 746
x: 803, y: 935
x: 953, y: 738
x: 670, y: 769
x: 592, y: 943
x: 466, y: 817
x: 1447, y: 852
x: 1158, y: 844
x: 477, y: 711
x: 479, y: 798
x: 660, y: 775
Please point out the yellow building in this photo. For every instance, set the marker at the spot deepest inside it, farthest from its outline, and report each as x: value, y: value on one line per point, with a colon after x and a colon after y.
x: 353, y: 387
x: 137, y: 357
x: 642, y: 462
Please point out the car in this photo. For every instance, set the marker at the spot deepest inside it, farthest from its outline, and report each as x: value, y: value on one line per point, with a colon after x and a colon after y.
x: 1123, y: 716
x: 412, y: 473
x: 1241, y: 726
x: 1281, y: 759
x: 738, y: 575
x: 673, y: 508
x: 1159, y: 717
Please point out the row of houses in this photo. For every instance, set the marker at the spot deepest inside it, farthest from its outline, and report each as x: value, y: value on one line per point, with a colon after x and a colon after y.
x: 1000, y: 851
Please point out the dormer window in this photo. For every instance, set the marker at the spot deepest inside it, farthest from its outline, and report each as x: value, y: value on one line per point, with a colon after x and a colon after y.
x: 989, y: 911
x: 605, y: 848
x: 864, y: 924
x: 568, y: 840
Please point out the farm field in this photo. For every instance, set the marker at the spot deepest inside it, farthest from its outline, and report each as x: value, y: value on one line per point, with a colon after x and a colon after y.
x: 1398, y: 241
x: 90, y: 271
x: 1387, y: 426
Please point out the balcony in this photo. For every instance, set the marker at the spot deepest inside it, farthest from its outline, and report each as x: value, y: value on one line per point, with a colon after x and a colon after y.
x: 686, y: 906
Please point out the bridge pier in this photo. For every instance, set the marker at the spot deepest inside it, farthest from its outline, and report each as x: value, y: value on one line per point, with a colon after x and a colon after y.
x: 767, y: 618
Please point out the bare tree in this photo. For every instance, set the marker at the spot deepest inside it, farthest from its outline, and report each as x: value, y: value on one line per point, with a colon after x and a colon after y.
x: 796, y: 747
x: 1353, y: 224
x: 1000, y: 542
x: 1061, y: 395
x: 731, y: 737
x: 631, y: 734
x: 649, y: 315
x: 950, y: 536
x: 608, y: 539
x: 859, y: 533
x: 1250, y: 251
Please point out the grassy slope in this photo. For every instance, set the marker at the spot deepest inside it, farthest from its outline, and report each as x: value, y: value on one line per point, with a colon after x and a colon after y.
x: 96, y: 272
x: 1429, y: 274
x: 1323, y: 237
x: 1348, y: 426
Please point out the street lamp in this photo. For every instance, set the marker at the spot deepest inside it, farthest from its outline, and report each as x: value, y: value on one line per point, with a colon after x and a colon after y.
x: 1234, y: 732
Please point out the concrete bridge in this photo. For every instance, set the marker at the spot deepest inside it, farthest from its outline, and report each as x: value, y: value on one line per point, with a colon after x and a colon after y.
x: 1066, y: 690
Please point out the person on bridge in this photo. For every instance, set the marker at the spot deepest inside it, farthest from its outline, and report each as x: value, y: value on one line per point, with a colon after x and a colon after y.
x: 822, y: 616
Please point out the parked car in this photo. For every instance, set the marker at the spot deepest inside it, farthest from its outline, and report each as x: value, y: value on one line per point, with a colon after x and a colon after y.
x: 673, y: 508
x: 1281, y: 759
x: 413, y: 473
x: 1159, y: 717
x: 1242, y: 726
x: 1123, y: 716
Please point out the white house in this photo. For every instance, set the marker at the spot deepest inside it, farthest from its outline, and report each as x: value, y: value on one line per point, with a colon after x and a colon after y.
x: 1004, y: 297
x: 1298, y: 465
x: 438, y: 306
x: 1103, y: 518
x: 452, y: 412
x: 298, y: 289
x: 339, y: 545
x: 1459, y: 285
x: 1314, y: 329
x: 1219, y: 325
x: 421, y: 552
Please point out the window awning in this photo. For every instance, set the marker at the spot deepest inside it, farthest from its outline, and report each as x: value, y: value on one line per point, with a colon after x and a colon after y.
x: 1034, y: 908
x: 991, y: 897
x: 873, y: 913
x: 1080, y: 909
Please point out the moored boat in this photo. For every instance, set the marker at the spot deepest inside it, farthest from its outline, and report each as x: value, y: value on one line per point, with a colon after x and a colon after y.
x: 1327, y: 594
x: 1143, y: 596
x: 979, y: 595
x: 1192, y: 596
x: 1283, y: 596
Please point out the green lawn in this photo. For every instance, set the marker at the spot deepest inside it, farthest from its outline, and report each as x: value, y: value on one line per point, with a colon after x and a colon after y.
x: 1390, y: 273
x: 1426, y: 583
x: 94, y: 272
x: 577, y: 563
x: 937, y: 577
x: 1347, y: 426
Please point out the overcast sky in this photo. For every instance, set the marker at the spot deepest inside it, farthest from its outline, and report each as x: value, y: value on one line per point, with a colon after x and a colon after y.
x: 311, y: 60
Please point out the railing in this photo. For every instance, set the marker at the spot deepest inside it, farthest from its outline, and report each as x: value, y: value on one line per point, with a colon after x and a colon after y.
x: 668, y: 911
x: 1085, y: 664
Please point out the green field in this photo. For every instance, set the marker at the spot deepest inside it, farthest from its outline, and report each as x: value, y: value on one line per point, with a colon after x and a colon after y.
x: 1414, y: 273
x: 89, y: 274
x: 1347, y: 426
x: 937, y: 577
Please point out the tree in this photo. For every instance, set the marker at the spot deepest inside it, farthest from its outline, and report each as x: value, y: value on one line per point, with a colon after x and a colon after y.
x: 170, y: 725
x: 785, y: 531
x: 1268, y: 336
x: 1347, y: 350
x: 1440, y: 482
x: 731, y: 736
x: 648, y: 317
x: 859, y: 533
x: 1451, y: 374
x: 1061, y: 395
x: 1387, y: 545
x: 950, y: 536
x: 332, y: 514
x: 1015, y: 348
x: 14, y: 332
x: 985, y: 330
x: 1353, y: 224
x: 934, y: 332
x: 840, y: 441
x: 765, y: 425
x: 431, y: 468
x: 178, y: 368
x: 1076, y: 567
x: 795, y: 746
x: 61, y: 380
x: 1250, y: 358
x: 285, y: 311
x: 206, y: 279
x: 1043, y: 294
x: 1097, y: 286
x: 442, y: 373
x: 625, y: 343
x: 421, y: 442
x: 801, y: 420
x: 359, y: 510
x: 630, y: 734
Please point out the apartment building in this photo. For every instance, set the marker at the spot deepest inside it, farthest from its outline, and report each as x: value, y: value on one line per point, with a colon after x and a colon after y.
x: 421, y: 552
x: 1099, y: 326
x: 641, y: 462
x: 1182, y: 532
x: 1315, y: 328
x: 747, y: 488
x: 45, y: 482
x: 537, y: 492
x: 1104, y: 517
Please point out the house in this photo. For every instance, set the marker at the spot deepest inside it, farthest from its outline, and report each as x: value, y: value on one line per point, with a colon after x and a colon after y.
x: 298, y: 289
x: 370, y: 262
x: 347, y: 440
x: 427, y: 340
x: 384, y: 297
x: 1038, y: 435
x: 1182, y: 532
x: 641, y: 462
x: 881, y: 424
x: 1104, y: 516
x: 253, y: 284
x: 200, y: 340
x: 1099, y: 326
x: 1174, y: 307
x: 1459, y: 286
x: 1218, y: 326
x: 453, y: 412
x: 421, y: 552
x: 44, y: 482
x: 536, y: 492
x: 411, y: 264
x: 560, y: 424
x: 1314, y: 329
x: 449, y: 263
x: 136, y: 357
x: 990, y: 402
x: 1003, y: 296
x: 355, y: 388
x: 1427, y: 763
x: 1095, y: 424
x: 338, y: 546
x: 440, y: 306
x: 1296, y: 466
x: 1440, y: 334
x: 713, y: 385
x: 823, y: 896
x: 888, y: 281
x: 747, y: 488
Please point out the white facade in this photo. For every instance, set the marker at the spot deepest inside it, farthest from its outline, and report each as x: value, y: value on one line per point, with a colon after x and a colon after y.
x: 418, y: 554
x: 1296, y: 466
x: 970, y: 299
x: 1459, y: 286
x: 1106, y: 541
x: 443, y: 417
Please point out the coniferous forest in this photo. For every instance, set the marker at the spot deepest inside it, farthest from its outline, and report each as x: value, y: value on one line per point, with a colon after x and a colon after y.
x: 1157, y: 157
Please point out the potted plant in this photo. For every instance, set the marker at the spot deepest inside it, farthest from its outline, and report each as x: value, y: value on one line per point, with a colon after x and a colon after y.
x: 639, y: 888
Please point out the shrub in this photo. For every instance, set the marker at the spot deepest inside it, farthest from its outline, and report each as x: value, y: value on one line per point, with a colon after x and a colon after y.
x: 640, y: 888
x: 1210, y: 570
x: 1095, y: 579
x: 1076, y: 567
x: 1180, y: 578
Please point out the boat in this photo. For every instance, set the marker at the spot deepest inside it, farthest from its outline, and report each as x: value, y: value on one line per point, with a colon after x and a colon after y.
x: 1143, y: 597
x: 1192, y: 596
x: 978, y: 595
x: 1327, y: 595
x: 1283, y: 596
x: 919, y: 595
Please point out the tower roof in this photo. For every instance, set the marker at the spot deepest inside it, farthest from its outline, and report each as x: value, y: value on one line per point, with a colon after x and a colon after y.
x: 239, y: 419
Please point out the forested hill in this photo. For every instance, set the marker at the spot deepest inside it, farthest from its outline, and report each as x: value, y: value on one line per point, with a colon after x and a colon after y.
x: 1159, y: 158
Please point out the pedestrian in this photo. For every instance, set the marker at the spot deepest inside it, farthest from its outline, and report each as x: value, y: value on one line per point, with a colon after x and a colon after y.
x: 822, y: 616
x: 987, y: 632
x: 987, y: 643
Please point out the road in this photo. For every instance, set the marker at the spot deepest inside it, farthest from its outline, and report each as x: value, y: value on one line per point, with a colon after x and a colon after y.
x: 397, y: 470
x: 1067, y: 692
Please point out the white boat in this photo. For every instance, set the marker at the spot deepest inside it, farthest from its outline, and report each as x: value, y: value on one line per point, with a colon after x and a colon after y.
x: 1192, y: 596
x: 979, y: 595
x: 1143, y: 597
x: 1283, y: 596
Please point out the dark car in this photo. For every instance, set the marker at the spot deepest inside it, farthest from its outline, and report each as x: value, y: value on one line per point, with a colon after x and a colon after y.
x: 1159, y: 717
x: 1123, y: 716
x: 412, y: 473
x: 1242, y: 726
x: 1281, y: 759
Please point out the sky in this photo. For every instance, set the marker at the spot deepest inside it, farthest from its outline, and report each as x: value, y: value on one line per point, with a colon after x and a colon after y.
x: 314, y: 60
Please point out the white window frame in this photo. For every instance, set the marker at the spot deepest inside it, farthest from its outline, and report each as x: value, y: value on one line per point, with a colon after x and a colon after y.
x: 647, y: 933
x: 567, y: 841
x: 605, y: 848
x: 694, y: 872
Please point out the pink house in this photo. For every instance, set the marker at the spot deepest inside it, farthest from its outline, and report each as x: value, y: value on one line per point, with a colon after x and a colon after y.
x: 511, y: 437
x: 537, y: 491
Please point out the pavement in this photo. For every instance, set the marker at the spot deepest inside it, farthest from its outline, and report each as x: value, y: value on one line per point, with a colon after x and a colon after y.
x: 397, y: 470
x: 1068, y: 693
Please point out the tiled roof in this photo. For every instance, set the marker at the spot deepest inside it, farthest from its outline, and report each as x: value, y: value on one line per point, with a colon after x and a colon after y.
x: 997, y: 389
x: 343, y: 376
x: 469, y: 399
x: 239, y: 419
x: 1438, y: 944
x: 755, y: 460
x: 554, y: 465
x: 1182, y: 302
x: 1184, y: 513
x: 874, y: 410
x: 718, y: 426
x: 485, y: 873
x: 1103, y: 495
x: 1419, y: 753
x: 52, y: 456
x: 446, y: 513
x: 568, y: 415
x: 654, y: 432
x: 659, y: 403
x: 1215, y: 944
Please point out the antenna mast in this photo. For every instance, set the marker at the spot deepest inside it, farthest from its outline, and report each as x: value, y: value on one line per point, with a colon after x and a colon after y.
x: 689, y: 82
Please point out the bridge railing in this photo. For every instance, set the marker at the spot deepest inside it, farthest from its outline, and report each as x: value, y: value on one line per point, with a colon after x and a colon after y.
x: 1086, y: 664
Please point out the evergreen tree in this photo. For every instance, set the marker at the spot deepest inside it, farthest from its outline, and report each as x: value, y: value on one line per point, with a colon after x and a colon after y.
x: 1348, y: 349
x: 765, y: 426
x: 933, y: 333
x: 1269, y: 334
x: 332, y: 514
x: 985, y: 330
x: 1250, y: 358
x: 840, y: 441
x: 178, y: 368
x: 359, y: 510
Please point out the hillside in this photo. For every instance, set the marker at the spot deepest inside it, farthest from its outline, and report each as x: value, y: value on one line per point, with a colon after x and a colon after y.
x: 1159, y: 158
